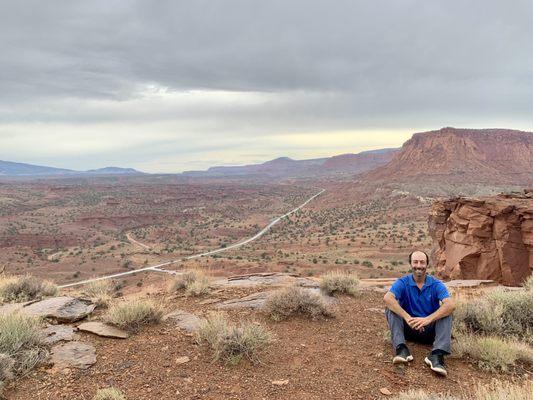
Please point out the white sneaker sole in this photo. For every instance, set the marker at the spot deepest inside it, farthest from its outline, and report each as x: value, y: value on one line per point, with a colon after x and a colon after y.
x: 401, y: 360
x: 439, y: 371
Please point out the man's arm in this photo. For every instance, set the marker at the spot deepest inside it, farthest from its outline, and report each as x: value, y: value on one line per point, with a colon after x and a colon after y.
x: 446, y: 308
x: 393, y: 305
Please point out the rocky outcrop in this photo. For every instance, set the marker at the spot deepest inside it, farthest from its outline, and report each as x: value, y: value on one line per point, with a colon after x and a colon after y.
x: 485, y: 238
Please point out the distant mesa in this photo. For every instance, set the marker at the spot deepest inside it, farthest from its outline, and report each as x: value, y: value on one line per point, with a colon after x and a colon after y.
x: 8, y: 168
x: 462, y: 155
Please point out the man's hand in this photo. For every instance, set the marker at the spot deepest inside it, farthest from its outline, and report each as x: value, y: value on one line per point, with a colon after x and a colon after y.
x: 419, y: 323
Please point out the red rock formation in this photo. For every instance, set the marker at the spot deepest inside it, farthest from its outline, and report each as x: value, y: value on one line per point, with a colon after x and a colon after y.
x: 486, y: 238
x: 462, y: 155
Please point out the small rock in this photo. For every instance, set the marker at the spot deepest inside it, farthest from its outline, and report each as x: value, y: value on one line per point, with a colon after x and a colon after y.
x: 73, y: 354
x: 56, y: 333
x: 385, y: 391
x: 184, y: 320
x: 280, y: 382
x: 182, y: 360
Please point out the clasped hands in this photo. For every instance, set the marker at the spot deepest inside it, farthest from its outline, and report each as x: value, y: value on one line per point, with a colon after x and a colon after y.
x: 418, y: 323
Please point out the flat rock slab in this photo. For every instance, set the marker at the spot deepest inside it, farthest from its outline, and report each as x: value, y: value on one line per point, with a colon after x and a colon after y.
x: 184, y: 320
x: 255, y: 301
x: 62, y: 309
x: 73, y: 355
x: 57, y: 333
x: 468, y: 283
x: 266, y: 279
x: 101, y: 329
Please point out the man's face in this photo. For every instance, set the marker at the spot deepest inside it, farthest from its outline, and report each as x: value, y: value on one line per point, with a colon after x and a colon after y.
x: 419, y: 264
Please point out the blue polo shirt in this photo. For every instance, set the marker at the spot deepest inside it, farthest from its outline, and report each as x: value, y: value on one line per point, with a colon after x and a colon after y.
x: 419, y: 302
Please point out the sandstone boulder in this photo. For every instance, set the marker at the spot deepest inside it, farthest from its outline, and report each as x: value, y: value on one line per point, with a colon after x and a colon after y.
x: 101, y: 329
x: 490, y: 238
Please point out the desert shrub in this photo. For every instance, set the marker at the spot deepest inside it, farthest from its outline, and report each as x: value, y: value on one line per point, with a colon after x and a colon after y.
x: 194, y: 282
x: 18, y: 332
x: 502, y: 313
x: 109, y: 394
x: 24, y: 288
x: 231, y: 343
x: 6, y: 370
x: 422, y: 395
x: 339, y: 282
x: 133, y: 314
x: 507, y: 391
x: 492, y: 353
x: 528, y: 283
x: 100, y: 292
x: 294, y: 300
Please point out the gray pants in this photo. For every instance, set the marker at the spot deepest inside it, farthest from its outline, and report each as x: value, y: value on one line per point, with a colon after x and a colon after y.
x: 439, y: 333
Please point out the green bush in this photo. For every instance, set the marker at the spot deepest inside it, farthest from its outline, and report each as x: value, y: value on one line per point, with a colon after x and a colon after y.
x: 232, y: 343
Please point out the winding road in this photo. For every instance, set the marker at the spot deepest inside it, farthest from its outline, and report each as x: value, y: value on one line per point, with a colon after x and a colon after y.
x: 157, y: 267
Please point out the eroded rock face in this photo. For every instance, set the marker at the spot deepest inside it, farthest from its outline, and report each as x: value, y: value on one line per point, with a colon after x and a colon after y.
x: 485, y: 238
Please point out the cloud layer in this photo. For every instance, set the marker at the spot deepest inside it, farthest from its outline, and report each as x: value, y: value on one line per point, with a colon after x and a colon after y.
x: 174, y: 85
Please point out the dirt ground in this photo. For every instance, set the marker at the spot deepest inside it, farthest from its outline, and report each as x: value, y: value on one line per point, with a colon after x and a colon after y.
x: 345, y: 357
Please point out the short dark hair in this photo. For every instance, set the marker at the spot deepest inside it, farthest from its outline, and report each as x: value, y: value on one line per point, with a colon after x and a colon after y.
x: 426, y: 254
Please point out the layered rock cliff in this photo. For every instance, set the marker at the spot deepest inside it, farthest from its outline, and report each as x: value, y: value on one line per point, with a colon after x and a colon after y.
x: 485, y: 238
x: 462, y: 156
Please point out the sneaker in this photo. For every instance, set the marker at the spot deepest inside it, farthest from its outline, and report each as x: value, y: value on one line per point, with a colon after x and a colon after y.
x: 403, y: 355
x: 436, y: 363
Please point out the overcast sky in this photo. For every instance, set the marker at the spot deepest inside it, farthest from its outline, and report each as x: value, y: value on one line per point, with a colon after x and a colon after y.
x: 166, y: 86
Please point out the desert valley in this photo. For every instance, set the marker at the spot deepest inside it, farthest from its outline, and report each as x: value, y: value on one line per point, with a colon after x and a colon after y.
x: 463, y: 195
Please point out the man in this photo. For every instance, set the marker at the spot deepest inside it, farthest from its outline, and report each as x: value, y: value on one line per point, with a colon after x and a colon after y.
x: 419, y: 308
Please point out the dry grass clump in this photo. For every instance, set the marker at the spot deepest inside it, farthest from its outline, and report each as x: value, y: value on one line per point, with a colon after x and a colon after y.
x: 501, y: 313
x: 15, y: 289
x: 109, y: 394
x: 495, y: 391
x: 233, y: 343
x: 339, y: 282
x: 194, y: 282
x: 294, y: 300
x: 20, y: 343
x: 133, y: 314
x: 492, y: 353
x: 528, y: 283
x: 100, y: 292
x: 6, y: 369
x: 422, y: 395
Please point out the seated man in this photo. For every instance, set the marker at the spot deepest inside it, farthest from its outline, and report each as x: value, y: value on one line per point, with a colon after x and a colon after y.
x: 419, y: 308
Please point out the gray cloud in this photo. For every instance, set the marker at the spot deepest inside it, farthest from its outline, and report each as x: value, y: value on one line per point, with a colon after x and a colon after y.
x: 193, y: 70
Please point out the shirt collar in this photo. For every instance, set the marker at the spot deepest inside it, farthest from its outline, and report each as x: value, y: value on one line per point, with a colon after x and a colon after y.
x: 413, y: 283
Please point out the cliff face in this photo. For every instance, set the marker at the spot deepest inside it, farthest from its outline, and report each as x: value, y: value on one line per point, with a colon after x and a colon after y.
x: 463, y: 155
x: 486, y: 238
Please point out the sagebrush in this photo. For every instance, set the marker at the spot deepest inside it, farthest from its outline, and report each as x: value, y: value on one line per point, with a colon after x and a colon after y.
x: 15, y: 289
x: 232, y: 343
x: 334, y: 282
x: 133, y: 314
x: 109, y: 394
x: 193, y: 282
x: 100, y: 292
x: 294, y: 300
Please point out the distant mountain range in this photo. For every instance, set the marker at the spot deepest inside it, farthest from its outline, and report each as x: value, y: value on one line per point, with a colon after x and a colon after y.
x: 285, y: 167
x: 8, y: 168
